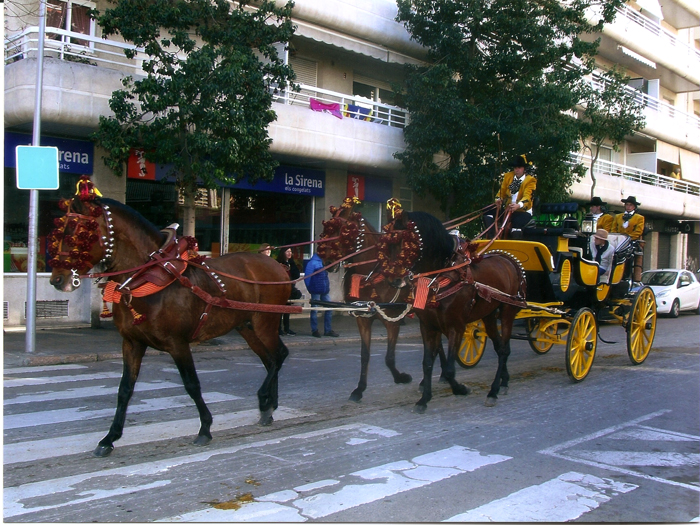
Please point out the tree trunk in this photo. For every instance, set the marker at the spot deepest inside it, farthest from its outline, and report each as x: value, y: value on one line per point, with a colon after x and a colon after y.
x: 188, y: 215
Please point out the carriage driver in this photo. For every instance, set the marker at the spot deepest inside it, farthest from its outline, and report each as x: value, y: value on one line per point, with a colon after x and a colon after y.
x: 630, y: 222
x: 516, y: 194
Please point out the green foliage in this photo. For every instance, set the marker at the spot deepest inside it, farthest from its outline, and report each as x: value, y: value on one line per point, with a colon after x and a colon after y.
x: 503, y: 79
x: 204, y: 104
x: 610, y: 114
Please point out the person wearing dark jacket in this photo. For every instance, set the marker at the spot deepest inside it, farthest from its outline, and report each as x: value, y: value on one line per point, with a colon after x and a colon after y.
x: 285, y: 259
x: 319, y: 287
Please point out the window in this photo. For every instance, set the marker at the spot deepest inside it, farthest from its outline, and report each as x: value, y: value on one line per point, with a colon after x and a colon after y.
x: 71, y: 15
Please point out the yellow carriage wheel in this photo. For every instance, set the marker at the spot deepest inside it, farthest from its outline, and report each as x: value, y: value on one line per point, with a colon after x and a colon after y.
x: 641, y: 325
x: 581, y: 345
x: 540, y: 332
x: 473, y: 344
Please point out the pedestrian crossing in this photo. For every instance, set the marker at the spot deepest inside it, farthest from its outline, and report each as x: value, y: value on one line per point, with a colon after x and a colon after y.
x: 567, y: 495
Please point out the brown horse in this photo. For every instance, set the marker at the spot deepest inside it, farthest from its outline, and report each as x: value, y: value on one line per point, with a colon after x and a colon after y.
x: 482, y: 289
x: 100, y: 230
x: 349, y: 232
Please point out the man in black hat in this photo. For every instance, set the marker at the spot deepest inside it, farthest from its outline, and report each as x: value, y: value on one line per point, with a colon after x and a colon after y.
x: 630, y: 222
x: 516, y: 194
x: 603, y: 220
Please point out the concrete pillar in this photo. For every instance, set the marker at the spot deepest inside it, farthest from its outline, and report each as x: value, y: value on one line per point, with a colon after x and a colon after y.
x: 679, y: 247
x: 651, y: 250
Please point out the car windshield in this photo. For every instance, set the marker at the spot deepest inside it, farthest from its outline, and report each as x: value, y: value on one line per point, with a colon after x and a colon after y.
x: 659, y: 278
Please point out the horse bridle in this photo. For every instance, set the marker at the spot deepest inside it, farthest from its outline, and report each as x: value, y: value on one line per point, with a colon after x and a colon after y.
x: 86, y: 232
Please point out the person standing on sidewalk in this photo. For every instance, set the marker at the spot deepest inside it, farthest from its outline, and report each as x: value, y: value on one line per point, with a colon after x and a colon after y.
x: 285, y: 259
x: 319, y: 287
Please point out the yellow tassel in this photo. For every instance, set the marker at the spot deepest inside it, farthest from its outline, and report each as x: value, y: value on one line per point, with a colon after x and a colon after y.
x: 138, y: 318
x: 106, y: 314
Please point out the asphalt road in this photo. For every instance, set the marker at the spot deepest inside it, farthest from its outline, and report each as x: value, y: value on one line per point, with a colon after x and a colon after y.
x: 621, y: 446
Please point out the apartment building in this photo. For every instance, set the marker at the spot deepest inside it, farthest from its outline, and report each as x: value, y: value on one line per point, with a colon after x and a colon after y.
x: 336, y: 137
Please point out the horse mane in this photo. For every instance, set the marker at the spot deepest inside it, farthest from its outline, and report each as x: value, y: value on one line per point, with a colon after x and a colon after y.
x: 438, y: 244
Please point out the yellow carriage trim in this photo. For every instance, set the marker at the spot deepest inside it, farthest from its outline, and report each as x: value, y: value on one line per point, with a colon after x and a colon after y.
x: 617, y: 273
x: 565, y: 279
x: 587, y: 273
x: 602, y: 291
x: 534, y: 256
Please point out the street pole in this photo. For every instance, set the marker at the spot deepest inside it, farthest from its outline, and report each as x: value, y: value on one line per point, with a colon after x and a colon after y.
x: 30, y: 341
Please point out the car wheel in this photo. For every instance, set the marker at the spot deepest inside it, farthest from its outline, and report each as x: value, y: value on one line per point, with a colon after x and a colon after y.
x: 675, y: 309
x: 697, y: 310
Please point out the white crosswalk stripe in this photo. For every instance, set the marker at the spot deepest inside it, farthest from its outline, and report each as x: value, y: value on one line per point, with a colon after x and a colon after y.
x: 85, y: 392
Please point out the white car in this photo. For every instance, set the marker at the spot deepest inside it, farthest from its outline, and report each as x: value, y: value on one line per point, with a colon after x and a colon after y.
x: 675, y: 290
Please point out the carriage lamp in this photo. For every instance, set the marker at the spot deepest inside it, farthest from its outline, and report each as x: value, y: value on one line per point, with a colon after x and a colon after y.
x: 588, y: 224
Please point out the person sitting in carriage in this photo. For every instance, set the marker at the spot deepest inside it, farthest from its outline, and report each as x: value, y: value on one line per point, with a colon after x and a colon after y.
x: 603, y: 254
x: 515, y: 194
x: 602, y: 218
x: 630, y: 222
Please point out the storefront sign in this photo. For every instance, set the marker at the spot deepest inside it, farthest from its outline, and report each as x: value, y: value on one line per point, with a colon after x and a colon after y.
x: 356, y: 186
x: 140, y: 168
x: 297, y: 181
x: 74, y: 156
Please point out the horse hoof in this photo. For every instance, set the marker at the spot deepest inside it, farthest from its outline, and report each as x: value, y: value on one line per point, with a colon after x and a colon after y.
x: 419, y: 409
x: 461, y: 390
x: 491, y: 401
x: 265, y: 418
x: 503, y: 390
x: 355, y: 397
x: 202, y: 441
x: 403, y: 379
x: 102, y: 451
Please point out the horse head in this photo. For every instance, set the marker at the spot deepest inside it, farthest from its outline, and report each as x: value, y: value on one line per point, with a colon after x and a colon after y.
x: 343, y: 233
x: 82, y: 238
x: 413, y: 242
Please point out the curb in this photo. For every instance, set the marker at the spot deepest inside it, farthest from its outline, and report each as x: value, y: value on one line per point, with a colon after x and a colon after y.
x: 44, y: 360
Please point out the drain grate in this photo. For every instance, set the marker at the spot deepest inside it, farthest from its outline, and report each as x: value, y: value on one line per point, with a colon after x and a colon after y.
x: 49, y: 309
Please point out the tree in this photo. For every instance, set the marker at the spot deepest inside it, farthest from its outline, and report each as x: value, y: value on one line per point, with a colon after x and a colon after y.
x: 610, y: 113
x: 204, y: 104
x: 502, y: 80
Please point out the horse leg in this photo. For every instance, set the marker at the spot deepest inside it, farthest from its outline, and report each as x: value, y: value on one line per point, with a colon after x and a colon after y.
x: 261, y: 337
x: 454, y: 339
x: 364, y: 325
x: 508, y: 313
x: 392, y: 332
x: 132, y: 354
x: 501, y: 351
x: 443, y: 363
x: 185, y: 365
x: 431, y: 342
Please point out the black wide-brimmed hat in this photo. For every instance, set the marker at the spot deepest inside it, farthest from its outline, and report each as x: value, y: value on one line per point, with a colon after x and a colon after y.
x: 597, y: 201
x: 632, y: 200
x: 519, y: 162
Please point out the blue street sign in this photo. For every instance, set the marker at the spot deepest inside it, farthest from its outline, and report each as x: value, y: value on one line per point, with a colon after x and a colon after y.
x: 37, y: 167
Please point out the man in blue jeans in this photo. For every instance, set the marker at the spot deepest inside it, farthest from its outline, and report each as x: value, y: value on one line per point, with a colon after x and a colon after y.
x: 319, y: 287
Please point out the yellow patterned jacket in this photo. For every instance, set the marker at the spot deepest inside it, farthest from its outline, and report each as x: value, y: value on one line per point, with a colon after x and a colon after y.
x: 528, y: 185
x: 606, y: 221
x: 635, y: 226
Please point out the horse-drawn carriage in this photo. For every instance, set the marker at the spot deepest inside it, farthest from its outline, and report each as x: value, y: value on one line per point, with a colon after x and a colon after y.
x: 566, y: 302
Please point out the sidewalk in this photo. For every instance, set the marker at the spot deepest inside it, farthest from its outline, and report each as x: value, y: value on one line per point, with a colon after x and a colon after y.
x: 84, y: 344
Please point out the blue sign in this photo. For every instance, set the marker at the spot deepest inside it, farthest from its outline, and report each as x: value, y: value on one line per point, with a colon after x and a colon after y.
x: 74, y: 156
x: 37, y: 168
x: 295, y: 181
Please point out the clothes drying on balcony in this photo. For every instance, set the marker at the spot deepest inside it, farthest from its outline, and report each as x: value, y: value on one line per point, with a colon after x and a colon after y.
x: 332, y: 108
x: 357, y: 112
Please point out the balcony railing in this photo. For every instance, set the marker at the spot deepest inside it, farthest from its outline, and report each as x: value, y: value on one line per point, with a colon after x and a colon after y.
x: 604, y: 167
x: 76, y: 47
x: 655, y: 105
x: 379, y: 113
x: 655, y: 28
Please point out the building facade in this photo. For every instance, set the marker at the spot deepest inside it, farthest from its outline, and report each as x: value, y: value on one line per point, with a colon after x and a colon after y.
x: 336, y: 137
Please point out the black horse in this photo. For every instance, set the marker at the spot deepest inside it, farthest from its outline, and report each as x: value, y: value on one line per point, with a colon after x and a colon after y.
x: 348, y: 232
x: 194, y: 306
x: 457, y: 291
